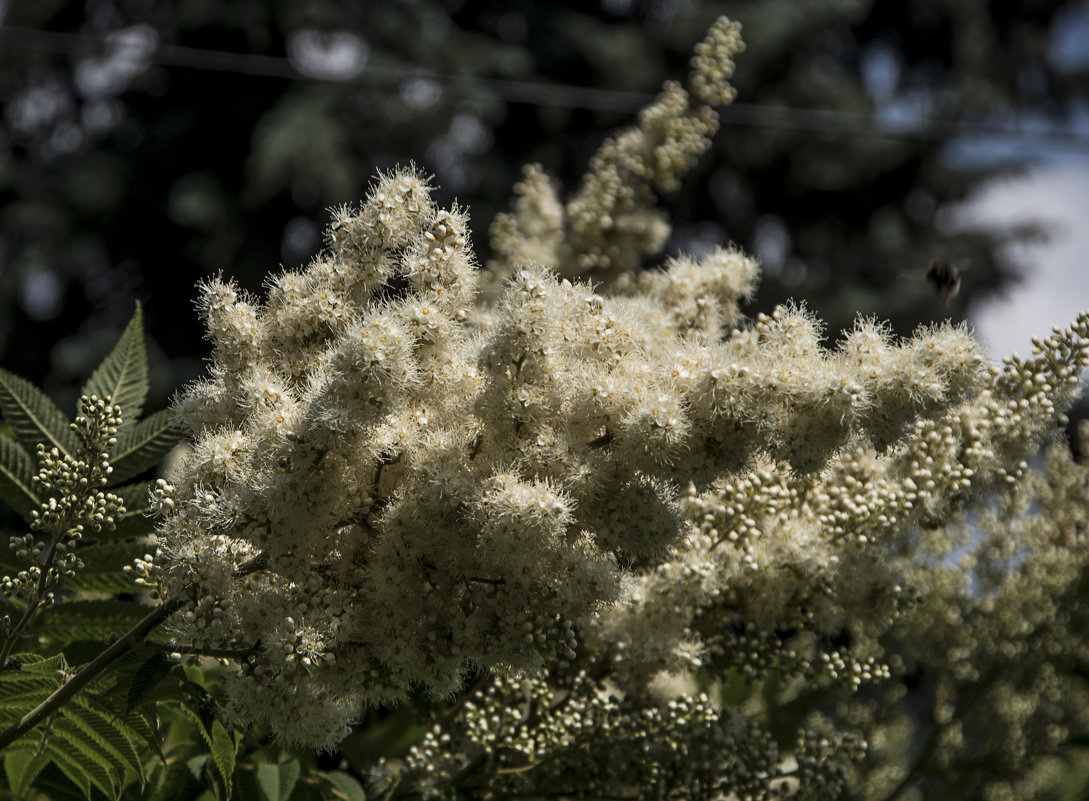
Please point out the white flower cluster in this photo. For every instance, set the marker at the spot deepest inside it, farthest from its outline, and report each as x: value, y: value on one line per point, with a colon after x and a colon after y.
x: 613, y: 221
x: 430, y: 497
x: 395, y: 479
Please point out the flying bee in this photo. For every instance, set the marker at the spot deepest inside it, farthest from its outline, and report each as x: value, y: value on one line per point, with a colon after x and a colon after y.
x: 944, y: 277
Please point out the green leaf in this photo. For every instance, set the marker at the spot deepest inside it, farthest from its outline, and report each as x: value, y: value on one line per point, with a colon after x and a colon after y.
x: 277, y: 781
x: 20, y: 692
x: 23, y: 688
x: 57, y: 786
x: 87, y: 750
x: 345, y: 785
x: 99, y: 746
x: 21, y: 671
x: 147, y: 678
x: 33, y: 417
x: 78, y: 757
x: 23, y: 685
x: 16, y: 473
x: 72, y: 766
x: 37, y: 664
x: 200, y: 708
x: 224, y: 748
x: 109, y: 732
x: 123, y: 373
x: 143, y: 445
x: 89, y: 620
x: 24, y: 701
x: 196, y: 766
x: 21, y: 769
x: 170, y: 781
x: 187, y: 712
x: 110, y: 554
x: 114, y: 583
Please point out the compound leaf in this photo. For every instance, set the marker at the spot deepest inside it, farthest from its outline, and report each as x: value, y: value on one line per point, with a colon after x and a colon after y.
x: 123, y: 373
x: 33, y: 417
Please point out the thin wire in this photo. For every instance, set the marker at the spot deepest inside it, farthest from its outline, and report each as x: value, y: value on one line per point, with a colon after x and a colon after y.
x: 550, y: 94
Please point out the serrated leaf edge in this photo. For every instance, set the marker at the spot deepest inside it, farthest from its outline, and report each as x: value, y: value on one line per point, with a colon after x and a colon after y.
x: 16, y: 478
x: 224, y: 748
x: 122, y: 374
x: 33, y: 417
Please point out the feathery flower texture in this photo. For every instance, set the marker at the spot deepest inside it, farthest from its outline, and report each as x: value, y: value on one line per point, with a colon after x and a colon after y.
x: 402, y: 474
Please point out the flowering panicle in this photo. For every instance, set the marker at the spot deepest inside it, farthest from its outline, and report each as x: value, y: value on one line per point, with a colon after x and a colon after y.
x: 548, y: 479
x: 612, y: 222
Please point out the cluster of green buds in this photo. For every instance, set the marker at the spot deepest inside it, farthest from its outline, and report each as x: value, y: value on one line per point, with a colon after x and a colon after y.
x: 74, y: 500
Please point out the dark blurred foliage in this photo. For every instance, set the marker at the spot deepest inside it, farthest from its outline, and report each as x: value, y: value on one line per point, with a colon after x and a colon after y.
x: 133, y: 161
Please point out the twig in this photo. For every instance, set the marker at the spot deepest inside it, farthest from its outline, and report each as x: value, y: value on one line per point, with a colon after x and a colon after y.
x: 92, y: 671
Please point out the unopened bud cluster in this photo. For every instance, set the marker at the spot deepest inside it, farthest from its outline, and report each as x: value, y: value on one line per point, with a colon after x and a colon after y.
x: 73, y: 503
x: 71, y: 483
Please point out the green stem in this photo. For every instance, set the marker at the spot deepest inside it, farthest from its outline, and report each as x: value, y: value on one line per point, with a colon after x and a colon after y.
x: 28, y: 615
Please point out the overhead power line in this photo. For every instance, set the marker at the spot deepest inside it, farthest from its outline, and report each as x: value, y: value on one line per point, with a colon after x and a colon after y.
x: 824, y: 121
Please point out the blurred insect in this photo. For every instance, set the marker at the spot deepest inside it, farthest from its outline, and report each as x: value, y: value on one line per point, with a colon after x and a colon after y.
x: 944, y: 277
